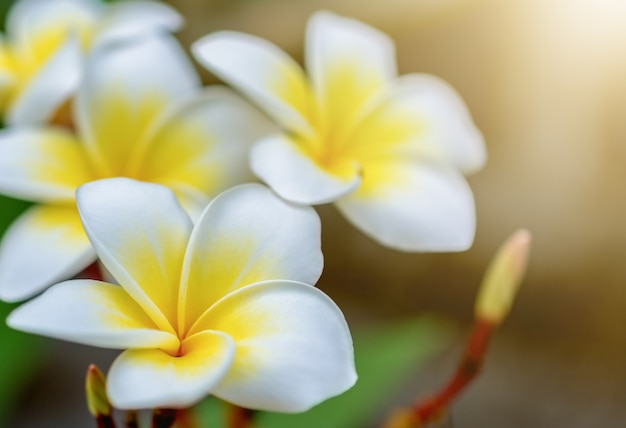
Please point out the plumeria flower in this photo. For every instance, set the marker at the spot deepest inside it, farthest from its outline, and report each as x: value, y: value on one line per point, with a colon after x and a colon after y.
x: 41, y: 53
x: 223, y: 307
x: 388, y: 150
x: 139, y: 113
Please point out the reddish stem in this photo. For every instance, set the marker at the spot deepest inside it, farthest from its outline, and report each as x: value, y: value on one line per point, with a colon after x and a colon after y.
x: 164, y: 418
x: 469, y: 367
x: 185, y: 419
x: 240, y: 417
x: 131, y: 419
x: 105, y: 421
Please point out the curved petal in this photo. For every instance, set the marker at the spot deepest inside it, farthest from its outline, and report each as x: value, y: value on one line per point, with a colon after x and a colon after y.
x: 349, y: 62
x: 126, y: 20
x: 293, y: 174
x: 294, y: 348
x: 193, y: 201
x: 247, y: 234
x: 41, y: 164
x: 35, y: 16
x: 140, y: 232
x: 50, y: 86
x: 413, y: 205
x: 8, y: 78
x: 204, y: 143
x: 6, y: 81
x: 151, y: 378
x: 126, y: 88
x: 43, y: 246
x: 263, y: 72
x: 423, y: 116
x: 91, y: 313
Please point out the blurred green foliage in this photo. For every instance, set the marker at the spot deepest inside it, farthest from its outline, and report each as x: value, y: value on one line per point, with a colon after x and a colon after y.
x: 20, y: 357
x: 19, y: 352
x: 4, y: 6
x: 386, y: 356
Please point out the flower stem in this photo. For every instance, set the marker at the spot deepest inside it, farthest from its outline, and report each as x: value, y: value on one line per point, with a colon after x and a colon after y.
x: 433, y: 409
x: 131, y: 419
x: 467, y: 370
x: 186, y: 419
x: 163, y: 418
x: 240, y: 417
x: 497, y: 291
x: 105, y: 421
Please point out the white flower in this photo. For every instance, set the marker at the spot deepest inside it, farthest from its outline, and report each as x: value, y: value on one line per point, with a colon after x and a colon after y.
x: 386, y: 150
x: 139, y: 113
x: 41, y: 54
x: 223, y: 307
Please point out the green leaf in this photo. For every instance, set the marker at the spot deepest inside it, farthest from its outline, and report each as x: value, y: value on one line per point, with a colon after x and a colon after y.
x: 20, y: 353
x: 21, y: 357
x: 385, y: 356
x: 9, y: 210
x: 210, y: 413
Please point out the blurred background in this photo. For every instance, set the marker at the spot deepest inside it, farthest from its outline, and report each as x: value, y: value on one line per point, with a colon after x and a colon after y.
x: 545, y: 82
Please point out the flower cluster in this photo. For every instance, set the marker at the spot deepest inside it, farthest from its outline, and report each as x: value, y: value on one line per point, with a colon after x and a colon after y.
x: 225, y: 305
x: 386, y: 150
x: 130, y: 162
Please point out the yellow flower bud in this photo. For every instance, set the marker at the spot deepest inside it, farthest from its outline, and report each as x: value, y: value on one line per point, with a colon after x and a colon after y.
x: 502, y: 278
x: 95, y: 386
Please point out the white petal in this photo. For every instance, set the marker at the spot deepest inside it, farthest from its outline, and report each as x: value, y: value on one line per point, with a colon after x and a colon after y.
x: 294, y: 348
x: 410, y: 205
x: 295, y: 176
x: 6, y: 80
x: 127, y: 87
x: 41, y: 164
x: 51, y: 86
x: 43, y: 246
x: 28, y: 16
x: 247, y: 234
x: 263, y: 72
x: 192, y: 201
x: 445, y: 127
x: 126, y: 20
x: 204, y: 143
x: 7, y: 70
x: 140, y: 232
x: 91, y: 313
x: 151, y: 378
x: 349, y: 62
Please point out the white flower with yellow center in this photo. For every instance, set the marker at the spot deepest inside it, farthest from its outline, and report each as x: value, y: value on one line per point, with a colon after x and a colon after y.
x: 41, y: 53
x: 387, y: 150
x: 223, y: 307
x: 139, y: 113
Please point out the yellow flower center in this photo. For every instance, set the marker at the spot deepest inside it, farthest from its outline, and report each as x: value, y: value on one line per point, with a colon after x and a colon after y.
x: 26, y: 57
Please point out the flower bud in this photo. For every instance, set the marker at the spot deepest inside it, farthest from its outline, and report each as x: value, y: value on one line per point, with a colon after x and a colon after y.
x: 95, y: 386
x: 502, y: 278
